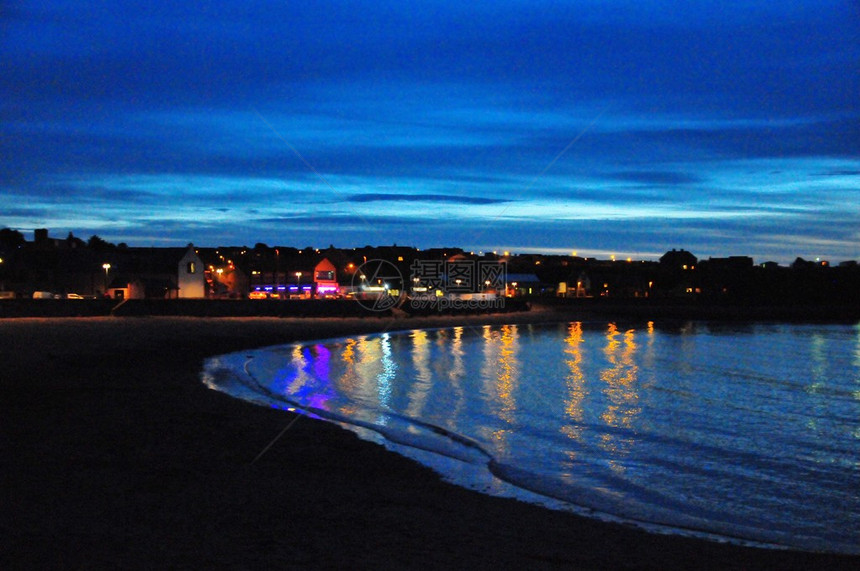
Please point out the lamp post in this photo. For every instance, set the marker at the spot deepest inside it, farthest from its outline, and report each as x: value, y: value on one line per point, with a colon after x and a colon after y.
x: 278, y: 271
x: 216, y: 286
x: 106, y: 268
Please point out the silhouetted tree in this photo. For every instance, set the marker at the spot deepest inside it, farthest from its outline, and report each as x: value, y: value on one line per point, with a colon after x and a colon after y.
x: 74, y: 242
x: 98, y: 245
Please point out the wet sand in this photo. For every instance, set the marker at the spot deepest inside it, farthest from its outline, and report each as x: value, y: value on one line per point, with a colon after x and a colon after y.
x: 116, y: 455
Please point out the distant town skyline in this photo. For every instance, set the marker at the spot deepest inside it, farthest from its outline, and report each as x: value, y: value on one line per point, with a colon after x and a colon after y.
x: 597, y: 127
x: 98, y: 243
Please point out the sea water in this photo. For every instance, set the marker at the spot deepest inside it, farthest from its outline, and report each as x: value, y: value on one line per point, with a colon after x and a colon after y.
x: 744, y: 432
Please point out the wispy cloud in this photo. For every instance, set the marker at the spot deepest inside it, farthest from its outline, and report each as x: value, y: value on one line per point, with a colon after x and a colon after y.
x: 604, y: 122
x: 656, y: 177
x: 446, y: 198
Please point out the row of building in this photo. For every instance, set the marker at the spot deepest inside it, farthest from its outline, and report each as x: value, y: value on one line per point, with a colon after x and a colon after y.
x: 71, y: 267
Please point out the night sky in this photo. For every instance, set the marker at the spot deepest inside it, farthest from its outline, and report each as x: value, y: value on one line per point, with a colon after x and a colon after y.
x: 592, y: 126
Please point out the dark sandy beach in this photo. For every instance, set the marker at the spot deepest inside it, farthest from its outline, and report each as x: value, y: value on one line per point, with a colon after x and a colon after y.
x: 115, y: 455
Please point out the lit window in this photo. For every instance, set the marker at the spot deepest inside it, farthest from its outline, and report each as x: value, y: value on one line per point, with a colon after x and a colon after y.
x: 191, y: 268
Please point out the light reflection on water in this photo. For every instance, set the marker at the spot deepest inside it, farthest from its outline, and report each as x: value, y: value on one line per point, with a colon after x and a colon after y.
x: 576, y: 387
x: 747, y: 431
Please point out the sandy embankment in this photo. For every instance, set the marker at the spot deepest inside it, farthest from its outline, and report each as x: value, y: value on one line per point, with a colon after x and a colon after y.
x: 114, y: 454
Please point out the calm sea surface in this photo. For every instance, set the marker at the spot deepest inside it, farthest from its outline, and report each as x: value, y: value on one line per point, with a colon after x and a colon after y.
x: 741, y: 431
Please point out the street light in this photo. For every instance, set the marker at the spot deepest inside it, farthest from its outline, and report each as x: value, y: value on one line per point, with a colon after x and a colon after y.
x: 106, y: 268
x: 277, y: 276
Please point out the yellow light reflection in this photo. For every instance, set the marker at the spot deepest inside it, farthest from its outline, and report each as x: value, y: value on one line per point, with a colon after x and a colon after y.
x: 371, y: 369
x: 500, y: 372
x: 621, y: 387
x: 348, y: 380
x: 507, y: 372
x: 299, y: 364
x: 575, y: 382
x: 420, y: 387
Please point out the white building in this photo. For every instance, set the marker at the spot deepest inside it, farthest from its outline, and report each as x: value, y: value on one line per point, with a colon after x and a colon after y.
x: 190, y: 277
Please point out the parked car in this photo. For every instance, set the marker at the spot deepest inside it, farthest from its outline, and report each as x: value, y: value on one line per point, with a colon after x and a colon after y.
x: 45, y: 295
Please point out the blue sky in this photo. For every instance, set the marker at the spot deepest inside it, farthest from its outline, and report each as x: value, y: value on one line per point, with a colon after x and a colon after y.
x: 600, y: 127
